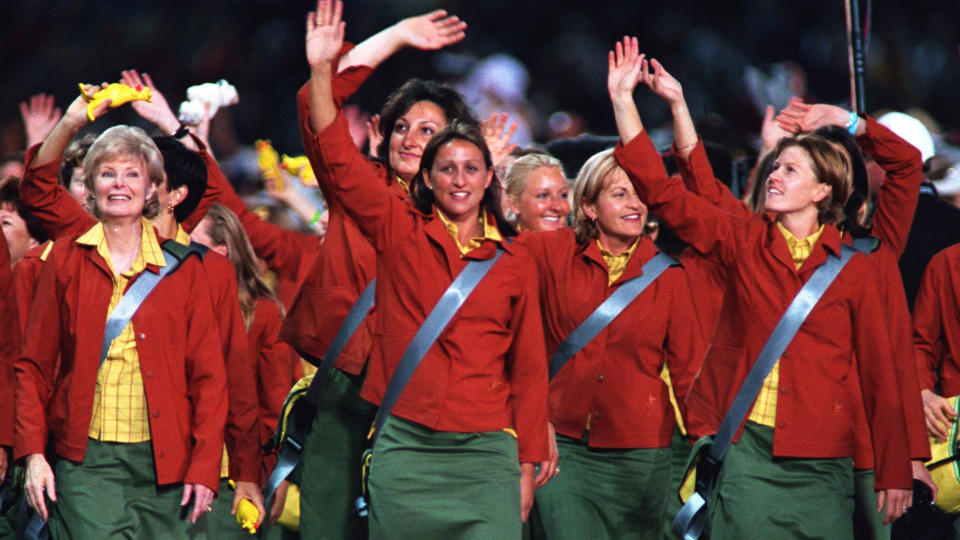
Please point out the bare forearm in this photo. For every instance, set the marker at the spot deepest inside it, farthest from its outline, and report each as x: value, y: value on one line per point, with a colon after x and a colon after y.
x: 373, y: 50
x: 627, y: 117
x: 53, y: 146
x: 684, y: 133
x: 322, y: 108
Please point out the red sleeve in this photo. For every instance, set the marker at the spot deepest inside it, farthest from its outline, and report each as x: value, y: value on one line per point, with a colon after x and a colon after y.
x: 25, y: 274
x: 275, y: 364
x: 698, y: 177
x: 285, y: 251
x: 685, y: 346
x: 50, y: 203
x: 240, y: 436
x: 897, y: 200
x: 353, y: 181
x: 901, y: 337
x: 707, y: 229
x: 879, y: 385
x: 527, y: 370
x: 206, y: 382
x: 9, y: 344
x: 34, y: 369
x: 928, y: 335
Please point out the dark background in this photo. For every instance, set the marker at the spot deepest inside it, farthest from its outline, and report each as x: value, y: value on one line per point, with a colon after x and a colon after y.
x: 257, y: 45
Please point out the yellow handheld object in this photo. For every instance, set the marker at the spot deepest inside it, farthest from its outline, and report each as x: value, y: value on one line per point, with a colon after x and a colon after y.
x: 269, y: 162
x: 300, y: 167
x: 945, y: 467
x: 118, y: 94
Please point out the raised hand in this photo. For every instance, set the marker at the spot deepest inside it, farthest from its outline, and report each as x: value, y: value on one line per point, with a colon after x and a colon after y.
x: 624, y: 68
x: 374, y: 138
x: 800, y: 117
x: 39, y: 116
x: 498, y: 136
x: 432, y: 31
x: 157, y: 111
x: 76, y: 113
x: 662, y: 83
x: 325, y: 31
x: 771, y: 131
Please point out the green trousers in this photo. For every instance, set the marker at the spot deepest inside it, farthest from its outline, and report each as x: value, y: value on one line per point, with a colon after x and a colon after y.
x: 679, y: 454
x: 427, y: 484
x: 11, y: 499
x: 868, y: 523
x: 330, y: 462
x: 605, y: 493
x: 114, y: 494
x: 763, y: 497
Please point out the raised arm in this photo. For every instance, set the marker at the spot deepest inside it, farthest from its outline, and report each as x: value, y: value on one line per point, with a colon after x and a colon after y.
x: 39, y: 116
x: 624, y: 70
x: 156, y: 111
x: 429, y: 32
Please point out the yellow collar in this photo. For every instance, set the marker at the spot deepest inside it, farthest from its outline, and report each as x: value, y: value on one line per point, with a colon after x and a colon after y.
x: 487, y: 224
x: 616, y: 264
x: 150, y: 252
x: 800, y: 249
x: 181, y: 237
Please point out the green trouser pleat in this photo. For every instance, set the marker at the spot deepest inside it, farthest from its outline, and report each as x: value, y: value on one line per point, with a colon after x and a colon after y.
x: 114, y: 494
x: 764, y: 497
x: 868, y: 523
x: 679, y: 454
x: 218, y: 523
x: 427, y: 484
x: 605, y: 493
x: 330, y: 462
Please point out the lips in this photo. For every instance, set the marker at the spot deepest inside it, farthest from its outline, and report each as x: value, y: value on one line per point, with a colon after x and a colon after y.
x: 119, y: 197
x: 632, y: 217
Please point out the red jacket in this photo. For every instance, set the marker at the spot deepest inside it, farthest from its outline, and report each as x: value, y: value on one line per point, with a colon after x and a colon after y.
x: 276, y: 364
x: 488, y: 370
x: 814, y: 414
x: 615, y: 379
x: 183, y: 373
x: 241, y: 430
x: 936, y: 323
x: 698, y: 177
x: 25, y: 274
x: 346, y: 263
x: 9, y: 344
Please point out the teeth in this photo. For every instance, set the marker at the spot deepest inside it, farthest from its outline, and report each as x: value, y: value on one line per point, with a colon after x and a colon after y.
x: 551, y: 218
x: 119, y: 198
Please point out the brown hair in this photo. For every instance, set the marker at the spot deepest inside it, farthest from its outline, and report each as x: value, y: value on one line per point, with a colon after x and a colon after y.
x: 586, y: 190
x: 831, y: 166
x: 226, y: 230
x: 127, y: 141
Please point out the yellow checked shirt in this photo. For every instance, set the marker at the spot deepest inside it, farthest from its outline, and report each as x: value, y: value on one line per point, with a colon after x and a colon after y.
x: 119, y: 402
x: 764, y: 410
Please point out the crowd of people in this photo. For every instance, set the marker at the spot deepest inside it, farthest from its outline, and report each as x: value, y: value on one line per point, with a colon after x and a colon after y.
x: 472, y: 319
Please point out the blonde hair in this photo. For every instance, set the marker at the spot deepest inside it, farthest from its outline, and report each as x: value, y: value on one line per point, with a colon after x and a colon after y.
x: 124, y: 141
x: 586, y: 190
x: 226, y: 230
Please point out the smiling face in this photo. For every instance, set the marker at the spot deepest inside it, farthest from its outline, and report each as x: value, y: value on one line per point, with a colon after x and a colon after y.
x: 458, y: 178
x: 619, y: 213
x: 792, y: 185
x: 543, y: 205
x: 122, y: 187
x: 410, y: 136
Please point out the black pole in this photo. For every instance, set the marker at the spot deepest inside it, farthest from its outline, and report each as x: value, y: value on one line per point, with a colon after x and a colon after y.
x: 855, y: 56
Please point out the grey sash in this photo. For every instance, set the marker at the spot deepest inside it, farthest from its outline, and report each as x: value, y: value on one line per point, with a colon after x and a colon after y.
x: 448, y: 305
x: 608, y: 311
x: 691, y: 519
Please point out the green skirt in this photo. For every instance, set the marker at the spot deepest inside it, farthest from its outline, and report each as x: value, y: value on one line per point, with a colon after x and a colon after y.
x: 605, y: 493
x: 434, y: 484
x: 762, y: 497
x: 330, y: 462
x: 114, y: 494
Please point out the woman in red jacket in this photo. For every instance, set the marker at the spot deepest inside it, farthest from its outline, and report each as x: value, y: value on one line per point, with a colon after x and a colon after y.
x: 610, y: 407
x: 802, y: 416
x: 447, y: 463
x: 149, y: 414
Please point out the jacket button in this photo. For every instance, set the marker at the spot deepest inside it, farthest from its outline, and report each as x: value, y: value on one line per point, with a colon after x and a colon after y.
x: 783, y: 389
x: 782, y: 425
x: 149, y: 374
x: 159, y: 453
x: 156, y: 413
x: 600, y: 378
x: 596, y: 414
x: 141, y: 335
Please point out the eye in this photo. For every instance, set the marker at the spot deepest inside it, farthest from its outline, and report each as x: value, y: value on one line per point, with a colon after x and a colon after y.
x: 428, y: 131
x: 400, y: 128
x: 542, y: 195
x: 107, y: 174
x: 472, y: 168
x: 446, y: 168
x: 564, y: 195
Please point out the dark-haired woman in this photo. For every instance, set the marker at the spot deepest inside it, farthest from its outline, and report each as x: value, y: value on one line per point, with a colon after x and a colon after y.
x: 411, y: 115
x: 768, y: 258
x: 456, y: 455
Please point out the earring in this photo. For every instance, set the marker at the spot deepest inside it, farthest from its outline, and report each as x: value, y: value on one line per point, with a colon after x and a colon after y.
x: 169, y: 208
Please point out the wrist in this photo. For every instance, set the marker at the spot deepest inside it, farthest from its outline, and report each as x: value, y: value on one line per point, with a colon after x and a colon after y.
x: 851, y: 124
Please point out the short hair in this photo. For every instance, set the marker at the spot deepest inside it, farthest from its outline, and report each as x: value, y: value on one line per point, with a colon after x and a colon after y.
x: 861, y: 183
x: 410, y: 93
x: 515, y: 181
x: 184, y: 168
x: 126, y: 141
x: 831, y: 166
x: 422, y: 196
x: 73, y: 157
x: 10, y: 195
x: 586, y: 190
